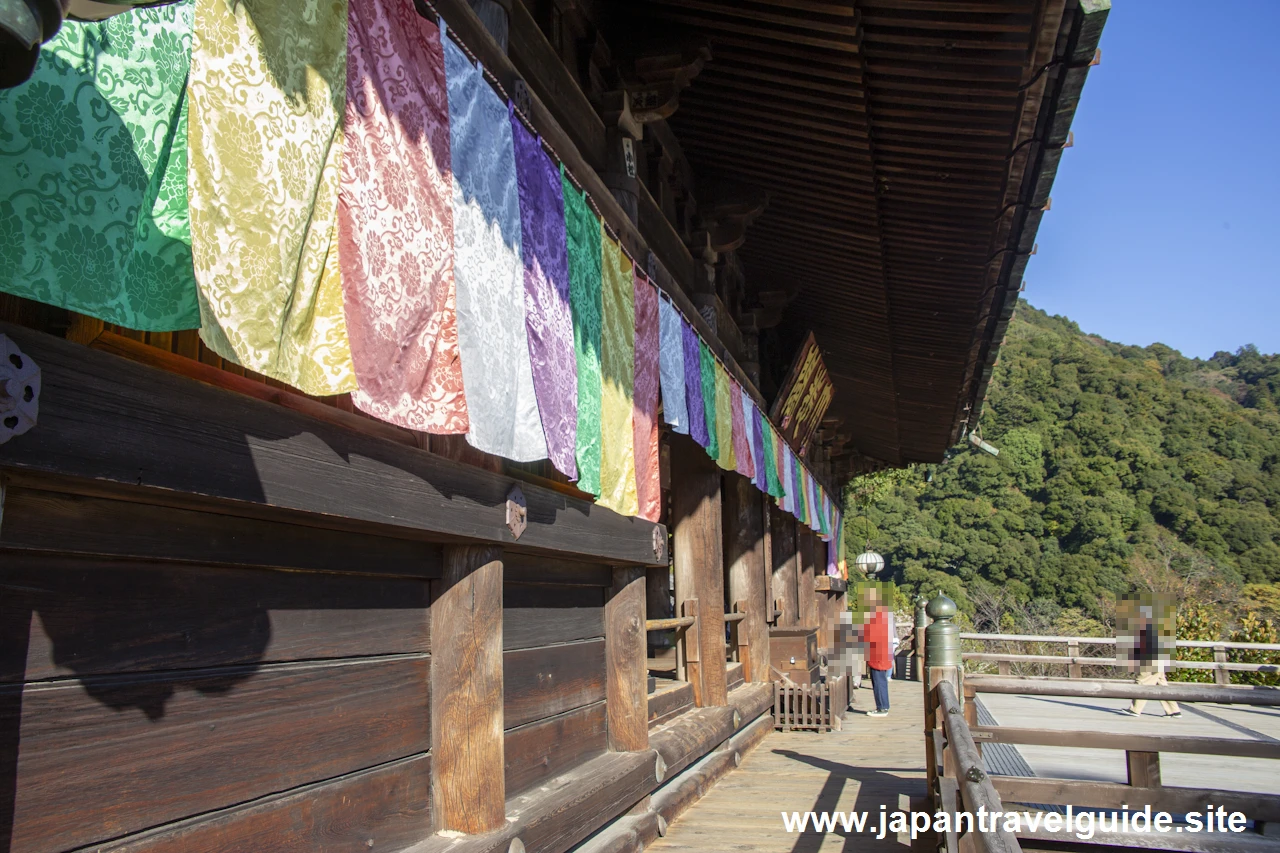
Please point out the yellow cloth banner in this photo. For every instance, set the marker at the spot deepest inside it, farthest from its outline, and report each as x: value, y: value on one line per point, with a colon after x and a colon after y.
x: 268, y: 89
x: 617, y: 365
x: 724, y: 420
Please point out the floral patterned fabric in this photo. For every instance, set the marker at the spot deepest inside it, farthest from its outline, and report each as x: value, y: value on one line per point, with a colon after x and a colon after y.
x: 93, y: 149
x: 708, y: 367
x: 675, y: 410
x: 694, y: 399
x: 395, y: 221
x: 725, y: 458
x: 645, y: 412
x: 741, y: 447
x: 761, y: 478
x: 583, y: 236
x: 268, y: 91
x: 748, y: 433
x: 548, y: 319
x: 496, y: 369
x: 617, y: 364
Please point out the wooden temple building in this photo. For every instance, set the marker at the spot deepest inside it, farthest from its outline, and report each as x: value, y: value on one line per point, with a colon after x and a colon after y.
x: 234, y: 617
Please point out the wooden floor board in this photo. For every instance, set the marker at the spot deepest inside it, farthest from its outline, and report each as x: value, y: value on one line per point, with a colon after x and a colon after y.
x: 873, y: 762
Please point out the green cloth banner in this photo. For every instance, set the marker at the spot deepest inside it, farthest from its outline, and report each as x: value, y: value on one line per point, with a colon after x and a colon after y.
x: 93, y: 205
x: 583, y: 234
x: 707, y: 365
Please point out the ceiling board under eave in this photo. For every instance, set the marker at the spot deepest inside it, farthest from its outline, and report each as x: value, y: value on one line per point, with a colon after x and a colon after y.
x: 882, y: 130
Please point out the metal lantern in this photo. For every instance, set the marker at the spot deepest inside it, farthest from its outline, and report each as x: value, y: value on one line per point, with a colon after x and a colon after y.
x: 869, y: 562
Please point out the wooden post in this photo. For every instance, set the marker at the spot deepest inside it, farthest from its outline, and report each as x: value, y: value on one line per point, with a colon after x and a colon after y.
x: 468, y: 785
x: 786, y: 567
x: 1220, y: 676
x: 699, y: 562
x: 626, y: 679
x: 766, y: 581
x: 744, y: 553
x: 806, y: 592
x: 1144, y: 769
x: 689, y: 651
x: 1074, y: 670
x: 658, y: 604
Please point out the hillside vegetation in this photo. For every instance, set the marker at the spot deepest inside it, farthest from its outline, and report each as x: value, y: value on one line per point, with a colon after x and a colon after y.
x: 1119, y: 466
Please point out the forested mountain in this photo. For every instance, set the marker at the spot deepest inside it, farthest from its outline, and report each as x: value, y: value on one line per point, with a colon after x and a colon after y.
x: 1118, y: 465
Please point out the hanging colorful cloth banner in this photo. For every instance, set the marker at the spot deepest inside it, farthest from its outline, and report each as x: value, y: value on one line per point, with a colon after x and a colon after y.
x: 747, y: 469
x: 582, y: 231
x: 492, y: 341
x: 548, y: 318
x: 645, y: 412
x: 695, y: 399
x: 617, y: 365
x: 741, y: 444
x: 675, y: 410
x: 395, y: 221
x: 724, y: 420
x: 707, y: 366
x: 769, y: 450
x: 93, y: 205
x: 268, y: 92
x: 761, y: 478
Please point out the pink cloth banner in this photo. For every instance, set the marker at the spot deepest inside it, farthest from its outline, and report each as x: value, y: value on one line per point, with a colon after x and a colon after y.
x: 395, y: 221
x: 644, y: 417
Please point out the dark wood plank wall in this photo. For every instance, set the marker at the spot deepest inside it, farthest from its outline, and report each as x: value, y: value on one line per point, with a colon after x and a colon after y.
x: 159, y: 701
x: 554, y: 666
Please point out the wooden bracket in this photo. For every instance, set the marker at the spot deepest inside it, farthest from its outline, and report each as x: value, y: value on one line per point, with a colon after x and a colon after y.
x: 517, y: 511
x: 19, y: 390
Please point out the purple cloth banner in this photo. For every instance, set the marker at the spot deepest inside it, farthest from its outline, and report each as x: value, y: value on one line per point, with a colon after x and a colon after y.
x: 547, y: 317
x: 758, y: 450
x: 693, y: 386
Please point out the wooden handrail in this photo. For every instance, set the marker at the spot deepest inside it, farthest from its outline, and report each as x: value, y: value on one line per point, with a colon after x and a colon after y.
x: 666, y: 624
x: 975, y: 787
x: 1194, y: 745
x: 1222, y: 666
x: 1111, y: 641
x: 1114, y: 689
x: 734, y: 617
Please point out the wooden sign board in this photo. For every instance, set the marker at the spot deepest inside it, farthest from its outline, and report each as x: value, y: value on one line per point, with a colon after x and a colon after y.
x: 805, y: 397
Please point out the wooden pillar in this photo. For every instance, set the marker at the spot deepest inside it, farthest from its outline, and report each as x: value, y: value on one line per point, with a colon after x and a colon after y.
x: 786, y: 566
x: 699, y: 559
x: 468, y: 785
x: 806, y: 592
x: 744, y: 553
x: 766, y: 580
x: 626, y: 680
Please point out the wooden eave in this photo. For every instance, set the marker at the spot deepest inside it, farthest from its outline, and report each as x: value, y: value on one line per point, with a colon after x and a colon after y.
x: 907, y: 147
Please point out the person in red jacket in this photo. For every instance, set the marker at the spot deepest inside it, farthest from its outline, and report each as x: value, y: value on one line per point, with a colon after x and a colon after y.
x: 880, y: 637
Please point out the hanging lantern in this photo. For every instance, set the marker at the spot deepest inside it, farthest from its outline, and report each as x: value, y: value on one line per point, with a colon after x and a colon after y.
x: 869, y: 562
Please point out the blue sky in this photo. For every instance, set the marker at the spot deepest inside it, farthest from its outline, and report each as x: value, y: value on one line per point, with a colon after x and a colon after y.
x: 1165, y: 224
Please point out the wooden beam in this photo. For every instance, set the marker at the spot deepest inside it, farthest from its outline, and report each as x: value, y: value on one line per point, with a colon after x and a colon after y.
x: 1130, y: 742
x: 786, y: 567
x: 625, y: 654
x: 1112, y: 689
x: 744, y: 552
x: 699, y: 559
x: 111, y: 423
x: 468, y: 786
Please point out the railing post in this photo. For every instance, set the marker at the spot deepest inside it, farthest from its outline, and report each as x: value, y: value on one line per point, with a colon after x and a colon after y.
x: 942, y: 663
x: 1220, y: 675
x: 922, y: 621
x: 1074, y: 670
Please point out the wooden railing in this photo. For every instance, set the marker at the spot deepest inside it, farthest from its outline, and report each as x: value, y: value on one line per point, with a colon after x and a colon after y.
x: 958, y: 782
x: 1142, y: 752
x: 686, y: 628
x: 810, y: 706
x: 1076, y: 662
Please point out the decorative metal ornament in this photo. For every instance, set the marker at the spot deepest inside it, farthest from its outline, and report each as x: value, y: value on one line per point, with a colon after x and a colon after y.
x: 517, y: 511
x: 869, y: 562
x: 19, y: 390
x: 659, y: 543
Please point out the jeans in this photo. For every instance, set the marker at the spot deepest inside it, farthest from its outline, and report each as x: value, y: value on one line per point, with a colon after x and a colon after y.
x: 880, y: 687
